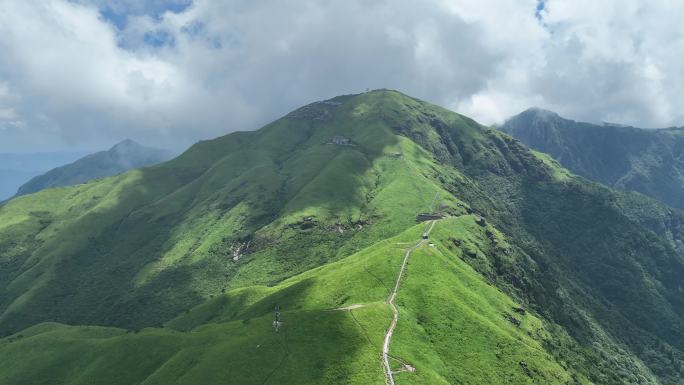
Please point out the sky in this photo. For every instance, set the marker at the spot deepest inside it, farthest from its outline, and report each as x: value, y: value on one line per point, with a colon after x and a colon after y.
x: 80, y: 75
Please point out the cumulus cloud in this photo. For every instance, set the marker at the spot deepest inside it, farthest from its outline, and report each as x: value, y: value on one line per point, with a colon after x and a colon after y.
x: 615, y: 61
x: 73, y: 78
x: 169, y: 71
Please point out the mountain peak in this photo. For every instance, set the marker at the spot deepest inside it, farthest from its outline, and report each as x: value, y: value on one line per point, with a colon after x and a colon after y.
x: 122, y: 157
x: 540, y: 113
x: 533, y: 117
x: 205, y: 247
x: 126, y: 144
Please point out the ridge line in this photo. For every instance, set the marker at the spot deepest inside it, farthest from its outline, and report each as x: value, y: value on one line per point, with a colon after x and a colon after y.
x: 389, y: 378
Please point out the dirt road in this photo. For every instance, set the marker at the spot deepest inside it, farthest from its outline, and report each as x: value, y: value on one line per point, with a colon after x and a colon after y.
x: 389, y: 378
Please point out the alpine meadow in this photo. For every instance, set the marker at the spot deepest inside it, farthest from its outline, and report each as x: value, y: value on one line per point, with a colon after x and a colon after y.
x: 505, y: 268
x: 341, y: 192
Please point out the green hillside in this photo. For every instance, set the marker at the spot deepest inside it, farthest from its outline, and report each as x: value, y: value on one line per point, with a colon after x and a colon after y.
x: 648, y: 161
x: 171, y: 274
x: 319, y: 342
x: 122, y: 157
x: 16, y: 169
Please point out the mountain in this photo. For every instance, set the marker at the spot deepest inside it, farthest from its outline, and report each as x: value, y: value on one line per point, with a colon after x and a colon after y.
x: 365, y: 224
x: 16, y: 169
x: 122, y: 157
x: 11, y: 179
x: 648, y: 161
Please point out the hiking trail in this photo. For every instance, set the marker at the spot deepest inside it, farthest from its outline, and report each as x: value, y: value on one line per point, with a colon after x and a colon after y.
x: 389, y: 378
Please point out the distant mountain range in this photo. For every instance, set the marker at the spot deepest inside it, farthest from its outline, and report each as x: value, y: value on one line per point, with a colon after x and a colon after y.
x: 16, y: 169
x: 122, y: 157
x: 649, y: 161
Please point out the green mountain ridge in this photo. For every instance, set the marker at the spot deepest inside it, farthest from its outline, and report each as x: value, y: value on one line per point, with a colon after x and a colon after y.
x: 122, y: 157
x: 648, y: 161
x: 170, y: 274
x: 16, y: 169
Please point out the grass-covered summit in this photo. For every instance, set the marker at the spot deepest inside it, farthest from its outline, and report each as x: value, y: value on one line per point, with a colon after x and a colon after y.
x: 171, y: 274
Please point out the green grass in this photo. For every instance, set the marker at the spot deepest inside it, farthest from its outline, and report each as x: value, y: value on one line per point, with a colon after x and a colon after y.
x: 236, y: 352
x: 558, y: 172
x: 157, y: 241
x: 147, y: 256
x: 454, y: 327
x: 318, y: 344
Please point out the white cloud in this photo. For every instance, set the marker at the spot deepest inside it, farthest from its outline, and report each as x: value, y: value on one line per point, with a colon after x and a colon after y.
x: 218, y: 66
x: 7, y: 113
x: 603, y: 61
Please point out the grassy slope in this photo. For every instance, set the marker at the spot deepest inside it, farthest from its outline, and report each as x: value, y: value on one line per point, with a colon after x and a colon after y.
x: 627, y: 158
x: 122, y: 157
x: 466, y: 337
x: 140, y: 249
x: 159, y: 239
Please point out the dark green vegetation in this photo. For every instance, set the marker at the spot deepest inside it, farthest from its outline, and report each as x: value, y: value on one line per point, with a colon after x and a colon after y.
x: 649, y: 161
x: 181, y: 265
x: 122, y: 157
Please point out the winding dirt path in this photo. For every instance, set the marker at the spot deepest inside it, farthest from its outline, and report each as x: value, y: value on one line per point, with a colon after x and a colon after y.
x: 389, y: 378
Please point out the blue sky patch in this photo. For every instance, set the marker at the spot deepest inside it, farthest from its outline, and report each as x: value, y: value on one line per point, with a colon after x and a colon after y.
x: 159, y: 39
x: 197, y: 29
x: 117, y: 13
x: 539, y: 9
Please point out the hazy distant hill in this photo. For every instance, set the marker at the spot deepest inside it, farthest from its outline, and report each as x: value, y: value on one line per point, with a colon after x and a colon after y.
x: 122, y: 157
x: 649, y: 161
x: 17, y: 169
x: 172, y: 274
